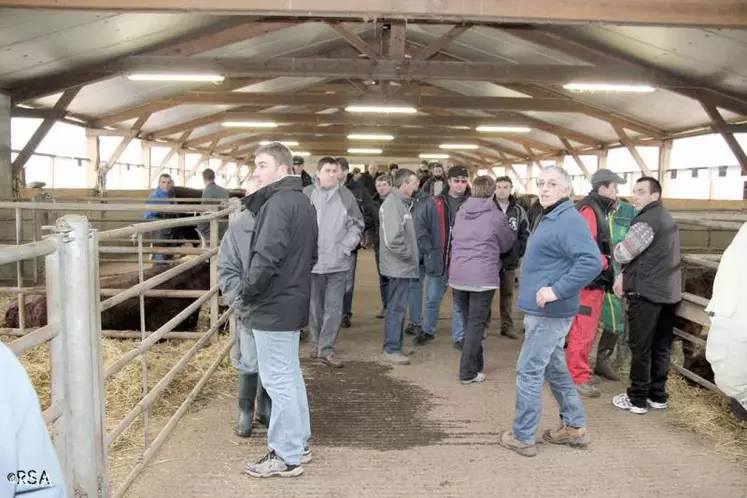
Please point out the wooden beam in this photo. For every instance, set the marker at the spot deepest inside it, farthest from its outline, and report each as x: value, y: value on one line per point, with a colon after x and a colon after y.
x: 385, y: 69
x: 576, y: 158
x: 357, y: 42
x: 28, y: 150
x: 125, y: 142
x: 397, y: 41
x: 625, y: 140
x: 567, y: 42
x: 220, y: 34
x: 439, y: 44
x: 705, y: 13
x: 665, y: 159
x: 337, y: 100
x: 728, y: 136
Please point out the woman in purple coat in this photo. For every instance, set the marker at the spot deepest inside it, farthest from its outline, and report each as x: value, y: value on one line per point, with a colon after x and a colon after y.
x: 481, y: 233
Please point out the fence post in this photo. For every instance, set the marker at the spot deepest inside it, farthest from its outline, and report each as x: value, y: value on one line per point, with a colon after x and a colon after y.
x: 97, y: 362
x: 214, y: 272
x: 58, y: 356
x: 76, y: 300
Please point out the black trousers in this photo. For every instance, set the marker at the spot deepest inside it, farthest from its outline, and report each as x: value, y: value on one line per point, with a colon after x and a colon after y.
x: 651, y: 328
x: 475, y: 308
x: 383, y: 280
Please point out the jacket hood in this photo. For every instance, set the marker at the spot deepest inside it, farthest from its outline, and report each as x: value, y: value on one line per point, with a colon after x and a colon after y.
x: 255, y: 201
x: 475, y: 206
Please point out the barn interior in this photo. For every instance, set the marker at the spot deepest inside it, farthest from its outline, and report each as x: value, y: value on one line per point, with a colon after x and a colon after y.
x: 141, y: 88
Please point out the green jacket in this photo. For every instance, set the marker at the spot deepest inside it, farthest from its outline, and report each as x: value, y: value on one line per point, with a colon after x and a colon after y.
x: 613, y: 316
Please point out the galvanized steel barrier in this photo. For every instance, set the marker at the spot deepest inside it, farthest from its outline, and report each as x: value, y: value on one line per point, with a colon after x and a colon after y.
x: 77, y: 413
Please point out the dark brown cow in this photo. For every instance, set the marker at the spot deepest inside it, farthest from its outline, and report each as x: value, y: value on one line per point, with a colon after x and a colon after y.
x: 698, y: 281
x: 126, y: 315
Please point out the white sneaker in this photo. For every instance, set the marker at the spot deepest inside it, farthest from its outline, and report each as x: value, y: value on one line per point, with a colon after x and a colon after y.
x: 480, y: 377
x: 655, y: 405
x: 307, y: 456
x: 622, y: 402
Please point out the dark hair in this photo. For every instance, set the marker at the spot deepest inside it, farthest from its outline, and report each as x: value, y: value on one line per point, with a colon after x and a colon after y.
x: 402, y: 175
x: 326, y: 160
x: 164, y: 175
x: 504, y: 179
x: 384, y: 178
x: 595, y: 187
x: 483, y: 186
x: 208, y: 174
x: 279, y: 152
x: 393, y: 167
x: 654, y: 187
x: 343, y: 162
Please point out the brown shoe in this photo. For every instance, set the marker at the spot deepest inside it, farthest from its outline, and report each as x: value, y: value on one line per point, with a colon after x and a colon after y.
x: 331, y: 361
x: 508, y: 441
x: 510, y: 333
x: 572, y: 436
x: 314, y: 353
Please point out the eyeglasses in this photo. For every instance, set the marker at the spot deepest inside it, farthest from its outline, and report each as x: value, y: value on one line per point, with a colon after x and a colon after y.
x: 550, y: 184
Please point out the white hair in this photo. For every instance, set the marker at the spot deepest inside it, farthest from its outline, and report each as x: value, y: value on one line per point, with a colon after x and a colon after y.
x: 566, y: 179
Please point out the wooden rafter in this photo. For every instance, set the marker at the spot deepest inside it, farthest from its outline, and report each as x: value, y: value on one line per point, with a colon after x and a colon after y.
x: 125, y: 142
x: 576, y: 158
x: 28, y: 150
x: 173, y: 150
x: 625, y: 140
x: 357, y: 42
x: 439, y: 44
x: 212, y: 37
x: 720, y: 125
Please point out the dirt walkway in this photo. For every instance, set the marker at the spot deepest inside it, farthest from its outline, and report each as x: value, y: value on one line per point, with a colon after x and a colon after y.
x: 415, y: 431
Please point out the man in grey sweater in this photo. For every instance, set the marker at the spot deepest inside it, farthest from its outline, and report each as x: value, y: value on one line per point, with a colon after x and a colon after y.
x: 399, y: 259
x: 340, y: 225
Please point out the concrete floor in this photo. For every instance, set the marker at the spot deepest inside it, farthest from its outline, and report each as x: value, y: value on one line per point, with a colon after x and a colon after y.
x: 416, y: 431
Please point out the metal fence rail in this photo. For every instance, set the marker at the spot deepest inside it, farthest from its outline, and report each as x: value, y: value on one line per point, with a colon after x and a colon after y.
x: 75, y: 302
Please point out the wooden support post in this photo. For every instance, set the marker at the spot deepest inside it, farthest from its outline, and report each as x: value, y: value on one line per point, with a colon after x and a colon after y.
x: 665, y: 159
x: 181, y: 166
x: 145, y: 176
x: 633, y: 151
x: 576, y: 158
x: 602, y: 161
x: 721, y: 126
x: 95, y: 177
x: 6, y: 167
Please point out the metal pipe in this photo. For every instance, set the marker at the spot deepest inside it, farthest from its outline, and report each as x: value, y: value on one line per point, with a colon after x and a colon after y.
x: 53, y: 413
x: 158, y: 334
x: 150, y: 250
x: 32, y: 339
x: 165, y: 381
x: 164, y: 433
x: 697, y: 379
x: 144, y: 358
x: 75, y: 207
x: 11, y: 254
x: 150, y: 226
x: 76, y: 299
x: 214, y: 241
x: 19, y: 274
x: 113, y: 334
x: 154, y: 281
x: 700, y: 261
x: 113, y: 292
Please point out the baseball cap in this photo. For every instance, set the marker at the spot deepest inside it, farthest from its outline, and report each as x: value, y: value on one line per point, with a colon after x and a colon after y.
x: 297, y: 161
x: 456, y: 171
x: 604, y: 176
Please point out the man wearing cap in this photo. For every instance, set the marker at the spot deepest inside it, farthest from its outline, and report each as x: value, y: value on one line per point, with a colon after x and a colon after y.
x: 434, y: 222
x: 298, y: 170
x: 596, y: 209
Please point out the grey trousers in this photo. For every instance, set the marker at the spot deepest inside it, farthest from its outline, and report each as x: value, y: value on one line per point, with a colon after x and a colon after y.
x: 325, y: 313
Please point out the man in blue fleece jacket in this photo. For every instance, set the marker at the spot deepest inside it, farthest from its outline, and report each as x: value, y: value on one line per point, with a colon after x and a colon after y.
x: 561, y: 258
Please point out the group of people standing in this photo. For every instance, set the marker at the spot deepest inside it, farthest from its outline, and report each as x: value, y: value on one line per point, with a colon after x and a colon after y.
x: 287, y: 263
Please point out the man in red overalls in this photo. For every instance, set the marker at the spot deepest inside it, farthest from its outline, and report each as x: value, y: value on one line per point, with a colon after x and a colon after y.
x: 595, y: 208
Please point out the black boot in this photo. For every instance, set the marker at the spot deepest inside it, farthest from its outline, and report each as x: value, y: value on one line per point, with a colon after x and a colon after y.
x: 247, y: 395
x: 604, y: 353
x: 264, y: 405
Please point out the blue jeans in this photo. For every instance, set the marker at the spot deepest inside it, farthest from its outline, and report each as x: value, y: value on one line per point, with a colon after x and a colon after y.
x: 415, y: 298
x: 542, y: 359
x: 434, y: 293
x: 347, y: 300
x: 394, y: 316
x: 280, y: 371
x: 247, y: 358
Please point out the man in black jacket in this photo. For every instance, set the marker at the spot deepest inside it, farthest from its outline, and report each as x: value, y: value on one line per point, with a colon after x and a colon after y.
x: 276, y: 295
x: 519, y: 222
x: 306, y: 179
x: 366, y: 205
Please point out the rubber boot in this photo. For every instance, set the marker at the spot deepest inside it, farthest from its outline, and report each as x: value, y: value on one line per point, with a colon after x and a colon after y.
x: 247, y: 395
x: 264, y: 405
x: 604, y: 353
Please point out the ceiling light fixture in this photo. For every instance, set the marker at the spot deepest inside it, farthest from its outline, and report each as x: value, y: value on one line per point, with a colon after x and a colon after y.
x: 302, y: 154
x: 504, y: 129
x: 369, y: 136
x: 608, y: 87
x: 215, y: 78
x: 249, y: 124
x: 291, y: 143
x: 433, y: 156
x: 458, y: 146
x: 364, y: 151
x: 381, y: 109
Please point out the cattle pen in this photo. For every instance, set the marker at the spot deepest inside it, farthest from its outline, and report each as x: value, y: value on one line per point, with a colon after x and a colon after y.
x: 79, y: 370
x: 77, y: 377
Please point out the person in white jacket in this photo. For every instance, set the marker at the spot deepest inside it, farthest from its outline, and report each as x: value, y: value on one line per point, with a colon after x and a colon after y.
x: 726, y: 347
